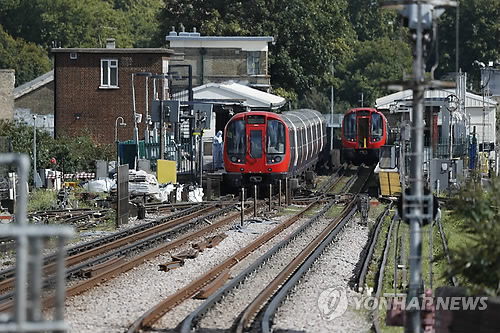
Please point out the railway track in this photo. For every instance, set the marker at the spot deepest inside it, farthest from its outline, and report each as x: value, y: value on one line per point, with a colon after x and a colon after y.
x: 153, y: 315
x: 89, y: 250
x: 113, y: 262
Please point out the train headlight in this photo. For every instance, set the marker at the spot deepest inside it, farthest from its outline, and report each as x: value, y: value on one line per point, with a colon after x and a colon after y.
x: 278, y: 158
x: 270, y: 169
x: 234, y: 159
x: 241, y: 169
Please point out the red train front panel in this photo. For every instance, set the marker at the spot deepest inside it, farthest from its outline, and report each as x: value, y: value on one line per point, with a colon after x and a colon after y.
x: 256, y: 149
x: 363, y: 133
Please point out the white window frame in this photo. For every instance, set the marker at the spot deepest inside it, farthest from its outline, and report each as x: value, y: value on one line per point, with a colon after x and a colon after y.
x: 107, y: 68
x: 253, y: 62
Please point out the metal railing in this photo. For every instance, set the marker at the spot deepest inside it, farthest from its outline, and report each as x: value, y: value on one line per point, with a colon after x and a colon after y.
x: 27, y: 311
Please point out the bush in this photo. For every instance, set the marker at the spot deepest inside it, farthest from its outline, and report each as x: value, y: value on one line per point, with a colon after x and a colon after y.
x: 72, y: 154
x: 476, y: 261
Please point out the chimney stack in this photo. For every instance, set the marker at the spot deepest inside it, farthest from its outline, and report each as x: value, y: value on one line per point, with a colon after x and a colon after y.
x: 110, y: 43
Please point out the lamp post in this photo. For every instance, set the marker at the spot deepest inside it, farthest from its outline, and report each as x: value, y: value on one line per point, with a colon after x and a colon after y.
x: 163, y: 79
x: 35, y: 173
x: 331, y: 111
x: 136, y: 131
x: 122, y: 123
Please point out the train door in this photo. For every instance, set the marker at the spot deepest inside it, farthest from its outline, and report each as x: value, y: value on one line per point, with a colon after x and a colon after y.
x: 256, y: 129
x: 363, y: 132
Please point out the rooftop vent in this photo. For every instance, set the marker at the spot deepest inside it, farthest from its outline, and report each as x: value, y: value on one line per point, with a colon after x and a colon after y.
x: 110, y: 43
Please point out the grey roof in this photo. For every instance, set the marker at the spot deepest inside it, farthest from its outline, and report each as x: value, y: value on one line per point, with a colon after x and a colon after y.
x: 196, y: 36
x: 236, y: 92
x: 406, y: 96
x: 34, y: 84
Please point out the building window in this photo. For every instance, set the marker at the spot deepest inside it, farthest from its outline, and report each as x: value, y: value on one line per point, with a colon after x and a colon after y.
x: 253, y: 63
x: 109, y: 73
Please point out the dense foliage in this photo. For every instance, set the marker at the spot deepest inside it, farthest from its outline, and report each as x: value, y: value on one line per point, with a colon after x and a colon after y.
x: 476, y: 261
x: 479, y: 37
x: 363, y: 41
x: 72, y: 154
x: 27, y: 59
x: 310, y: 37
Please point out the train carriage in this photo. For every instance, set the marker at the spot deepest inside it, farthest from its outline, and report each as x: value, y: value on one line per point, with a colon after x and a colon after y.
x: 364, y: 131
x: 264, y: 147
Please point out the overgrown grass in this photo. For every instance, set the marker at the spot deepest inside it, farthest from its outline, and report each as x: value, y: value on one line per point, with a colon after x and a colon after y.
x: 41, y: 199
x: 454, y: 236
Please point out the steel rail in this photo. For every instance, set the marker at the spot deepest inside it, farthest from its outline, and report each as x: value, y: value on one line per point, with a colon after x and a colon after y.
x: 156, y: 312
x: 292, y: 270
x: 145, y: 235
x: 289, y: 278
x: 382, y: 272
x: 121, y: 252
x: 332, y: 181
x: 10, y: 272
x: 109, y: 274
x: 454, y: 280
x: 219, y: 294
x: 372, y: 241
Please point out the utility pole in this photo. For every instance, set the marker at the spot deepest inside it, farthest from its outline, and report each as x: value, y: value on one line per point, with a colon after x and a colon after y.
x: 415, y: 199
x: 35, y: 172
x: 420, y: 15
x: 331, y: 119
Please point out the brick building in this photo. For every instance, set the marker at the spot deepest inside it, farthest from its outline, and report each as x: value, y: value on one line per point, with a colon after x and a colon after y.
x: 93, y: 86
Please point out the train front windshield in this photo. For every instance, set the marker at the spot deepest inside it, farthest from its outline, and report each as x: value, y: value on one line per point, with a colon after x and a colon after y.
x: 276, y: 137
x: 377, y: 129
x: 350, y: 126
x: 235, y: 139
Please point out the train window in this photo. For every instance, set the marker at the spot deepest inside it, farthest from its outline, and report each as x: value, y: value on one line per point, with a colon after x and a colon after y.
x: 256, y: 119
x: 377, y: 129
x: 350, y: 126
x: 276, y: 138
x: 256, y: 144
x: 235, y: 137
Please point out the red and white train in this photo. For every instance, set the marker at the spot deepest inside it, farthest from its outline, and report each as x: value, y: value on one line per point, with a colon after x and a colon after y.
x: 364, y: 131
x: 264, y: 147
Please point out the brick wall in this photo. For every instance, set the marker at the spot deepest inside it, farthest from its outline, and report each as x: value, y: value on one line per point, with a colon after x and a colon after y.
x: 81, y: 105
x: 7, y: 80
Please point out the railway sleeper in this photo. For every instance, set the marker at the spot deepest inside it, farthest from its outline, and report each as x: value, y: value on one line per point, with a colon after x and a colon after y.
x: 103, y: 267
x: 171, y: 265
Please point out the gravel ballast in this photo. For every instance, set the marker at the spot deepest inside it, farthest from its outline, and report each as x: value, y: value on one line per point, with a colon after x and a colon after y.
x: 334, y: 269
x: 115, y: 304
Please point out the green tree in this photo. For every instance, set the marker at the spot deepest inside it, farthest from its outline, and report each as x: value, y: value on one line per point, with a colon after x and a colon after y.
x: 27, y: 59
x: 371, y: 21
x: 73, y: 23
x: 143, y: 17
x: 373, y: 63
x: 479, y: 37
x: 73, y: 154
x: 309, y: 35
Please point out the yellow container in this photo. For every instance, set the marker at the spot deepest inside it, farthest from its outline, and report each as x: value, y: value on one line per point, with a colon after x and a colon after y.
x: 166, y: 171
x: 70, y: 184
